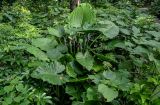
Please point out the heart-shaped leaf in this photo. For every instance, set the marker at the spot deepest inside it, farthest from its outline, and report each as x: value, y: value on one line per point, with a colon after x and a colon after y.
x: 85, y: 60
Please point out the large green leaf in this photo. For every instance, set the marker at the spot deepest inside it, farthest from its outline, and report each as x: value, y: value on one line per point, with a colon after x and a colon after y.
x: 51, y: 73
x: 44, y: 43
x: 118, y: 79
x: 54, y: 32
x: 57, y: 53
x: 108, y: 28
x: 82, y: 15
x: 54, y: 54
x: 37, y: 53
x: 108, y: 93
x: 85, y: 60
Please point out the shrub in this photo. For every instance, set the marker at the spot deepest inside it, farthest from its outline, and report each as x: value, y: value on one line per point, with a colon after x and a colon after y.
x: 155, y: 8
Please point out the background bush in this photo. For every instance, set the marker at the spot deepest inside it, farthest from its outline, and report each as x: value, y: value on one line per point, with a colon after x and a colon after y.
x: 155, y: 8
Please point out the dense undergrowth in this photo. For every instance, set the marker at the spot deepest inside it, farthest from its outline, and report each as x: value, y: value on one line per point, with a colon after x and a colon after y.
x: 96, y: 55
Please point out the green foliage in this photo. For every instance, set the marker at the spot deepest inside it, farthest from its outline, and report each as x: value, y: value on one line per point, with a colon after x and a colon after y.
x: 82, y: 16
x: 106, y: 55
x: 16, y: 92
x: 51, y: 73
x: 155, y: 9
x: 37, y: 52
x: 108, y: 28
x: 85, y: 60
x: 107, y: 92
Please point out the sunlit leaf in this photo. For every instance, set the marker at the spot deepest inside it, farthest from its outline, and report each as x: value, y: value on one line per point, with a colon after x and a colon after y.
x: 83, y: 15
